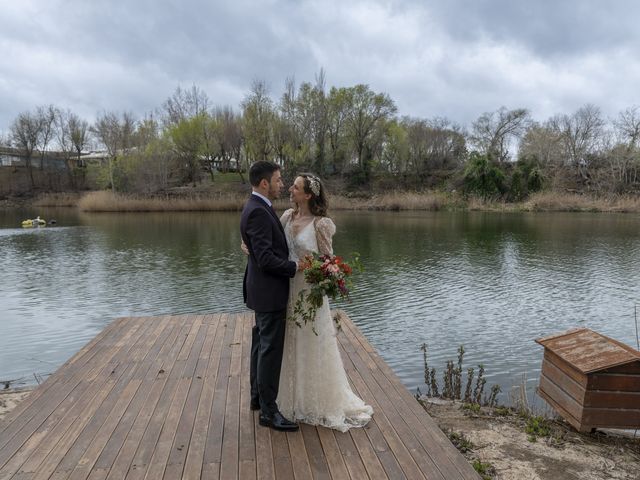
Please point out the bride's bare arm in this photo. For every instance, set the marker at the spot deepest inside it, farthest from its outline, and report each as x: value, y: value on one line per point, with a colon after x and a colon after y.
x: 325, y: 228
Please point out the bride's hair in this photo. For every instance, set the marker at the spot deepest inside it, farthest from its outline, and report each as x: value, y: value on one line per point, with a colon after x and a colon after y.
x: 318, y: 204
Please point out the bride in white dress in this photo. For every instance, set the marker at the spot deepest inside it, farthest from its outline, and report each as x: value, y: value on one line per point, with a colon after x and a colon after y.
x: 314, y: 388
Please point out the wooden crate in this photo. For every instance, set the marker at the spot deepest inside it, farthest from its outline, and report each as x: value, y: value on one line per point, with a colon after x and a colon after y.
x: 591, y: 380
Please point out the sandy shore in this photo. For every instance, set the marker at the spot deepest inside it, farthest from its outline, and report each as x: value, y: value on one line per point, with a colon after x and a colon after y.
x: 500, y: 442
x: 10, y: 398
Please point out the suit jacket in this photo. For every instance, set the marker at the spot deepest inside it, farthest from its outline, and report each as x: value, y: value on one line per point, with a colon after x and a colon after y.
x: 266, y: 278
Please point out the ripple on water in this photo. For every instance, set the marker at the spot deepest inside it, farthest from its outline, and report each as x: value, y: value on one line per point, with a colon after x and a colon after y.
x: 490, y: 282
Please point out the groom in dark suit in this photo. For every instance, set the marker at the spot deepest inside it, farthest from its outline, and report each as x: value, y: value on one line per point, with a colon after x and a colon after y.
x: 266, y: 290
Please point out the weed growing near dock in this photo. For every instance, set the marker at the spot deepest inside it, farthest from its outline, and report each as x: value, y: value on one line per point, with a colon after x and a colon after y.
x: 452, y: 382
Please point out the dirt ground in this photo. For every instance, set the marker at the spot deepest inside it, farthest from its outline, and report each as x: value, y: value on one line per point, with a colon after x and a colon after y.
x: 499, y: 439
x: 9, y: 399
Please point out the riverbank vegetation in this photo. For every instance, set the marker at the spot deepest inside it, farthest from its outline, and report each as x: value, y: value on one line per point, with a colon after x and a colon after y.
x: 107, y: 201
x: 352, y: 136
x: 521, y: 439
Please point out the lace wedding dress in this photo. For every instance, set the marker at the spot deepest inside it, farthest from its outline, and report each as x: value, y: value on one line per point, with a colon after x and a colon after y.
x: 314, y: 388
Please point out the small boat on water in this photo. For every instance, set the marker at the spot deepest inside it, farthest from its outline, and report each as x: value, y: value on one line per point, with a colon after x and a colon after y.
x: 35, y: 222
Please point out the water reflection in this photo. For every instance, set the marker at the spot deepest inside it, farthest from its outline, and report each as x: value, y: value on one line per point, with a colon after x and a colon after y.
x: 492, y: 282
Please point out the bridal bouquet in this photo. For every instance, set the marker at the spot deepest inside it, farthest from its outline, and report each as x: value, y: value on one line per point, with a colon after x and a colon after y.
x: 327, y: 275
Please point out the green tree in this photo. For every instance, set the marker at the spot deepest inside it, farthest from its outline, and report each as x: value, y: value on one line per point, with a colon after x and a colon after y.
x: 483, y: 177
x: 187, y: 142
x: 257, y: 119
x: 367, y: 112
x: 337, y: 112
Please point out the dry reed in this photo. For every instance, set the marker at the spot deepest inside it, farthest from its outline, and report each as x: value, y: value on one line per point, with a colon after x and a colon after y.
x: 571, y: 202
x: 57, y: 200
x: 396, y: 201
x: 104, y: 201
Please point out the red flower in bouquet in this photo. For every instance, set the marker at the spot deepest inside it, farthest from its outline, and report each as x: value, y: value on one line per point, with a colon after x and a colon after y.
x: 327, y: 275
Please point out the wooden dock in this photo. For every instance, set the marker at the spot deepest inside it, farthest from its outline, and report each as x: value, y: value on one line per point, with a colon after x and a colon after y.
x: 168, y: 397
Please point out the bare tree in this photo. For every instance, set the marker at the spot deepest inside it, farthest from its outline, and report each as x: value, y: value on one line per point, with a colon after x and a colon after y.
x: 47, y: 115
x: 627, y: 126
x: 78, y: 130
x: 625, y: 157
x: 25, y: 132
x: 185, y: 104
x: 493, y: 132
x: 542, y: 143
x: 116, y: 133
x: 581, y: 133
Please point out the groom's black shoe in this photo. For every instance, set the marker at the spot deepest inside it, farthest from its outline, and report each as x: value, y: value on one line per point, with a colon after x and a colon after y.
x: 277, y: 422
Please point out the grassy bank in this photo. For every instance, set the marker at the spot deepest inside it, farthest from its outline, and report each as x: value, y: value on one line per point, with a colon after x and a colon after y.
x: 105, y: 201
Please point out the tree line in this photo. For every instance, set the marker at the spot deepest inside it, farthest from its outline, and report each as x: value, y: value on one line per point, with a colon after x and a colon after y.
x: 353, y: 133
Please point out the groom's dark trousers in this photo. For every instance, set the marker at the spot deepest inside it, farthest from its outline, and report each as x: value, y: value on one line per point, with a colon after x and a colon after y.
x: 266, y: 292
x: 266, y: 358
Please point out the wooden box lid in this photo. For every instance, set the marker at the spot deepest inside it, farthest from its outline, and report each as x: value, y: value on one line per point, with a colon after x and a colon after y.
x: 589, y: 351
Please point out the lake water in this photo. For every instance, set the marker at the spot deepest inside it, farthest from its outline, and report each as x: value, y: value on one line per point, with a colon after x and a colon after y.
x: 493, y: 282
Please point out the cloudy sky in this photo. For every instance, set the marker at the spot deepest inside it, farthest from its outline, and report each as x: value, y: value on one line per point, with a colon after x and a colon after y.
x: 434, y: 58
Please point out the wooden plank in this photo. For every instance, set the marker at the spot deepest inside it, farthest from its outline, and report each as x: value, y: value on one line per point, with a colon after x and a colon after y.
x: 169, y: 375
x: 35, y: 395
x: 332, y: 454
x: 383, y: 437
x: 632, y: 368
x: 607, y: 399
x: 398, y: 435
x: 313, y: 446
x: 32, y: 418
x: 564, y: 381
x: 281, y: 455
x: 142, y: 357
x: 611, y: 417
x: 565, y: 367
x: 80, y: 419
x: 231, y: 432
x: 574, y: 422
x: 51, y: 438
x: 169, y: 397
x: 613, y: 381
x: 213, y: 448
x: 207, y: 369
x: 247, y: 451
x: 437, y: 445
x: 141, y: 397
x: 351, y: 456
x: 567, y: 402
x: 299, y: 459
x: 265, y: 467
x: 430, y: 460
x: 367, y: 454
x: 168, y: 353
x: 163, y: 448
x: 185, y: 427
x: 102, y: 414
x: 90, y: 455
x: 51, y: 411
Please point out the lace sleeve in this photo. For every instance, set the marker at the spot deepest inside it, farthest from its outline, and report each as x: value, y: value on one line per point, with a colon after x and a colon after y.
x: 325, y: 228
x: 286, y: 216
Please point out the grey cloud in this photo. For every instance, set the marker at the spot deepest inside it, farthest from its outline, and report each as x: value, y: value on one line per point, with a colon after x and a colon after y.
x: 436, y: 58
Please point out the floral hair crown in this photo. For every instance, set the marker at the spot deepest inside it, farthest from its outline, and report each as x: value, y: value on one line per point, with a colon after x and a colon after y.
x: 314, y: 184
